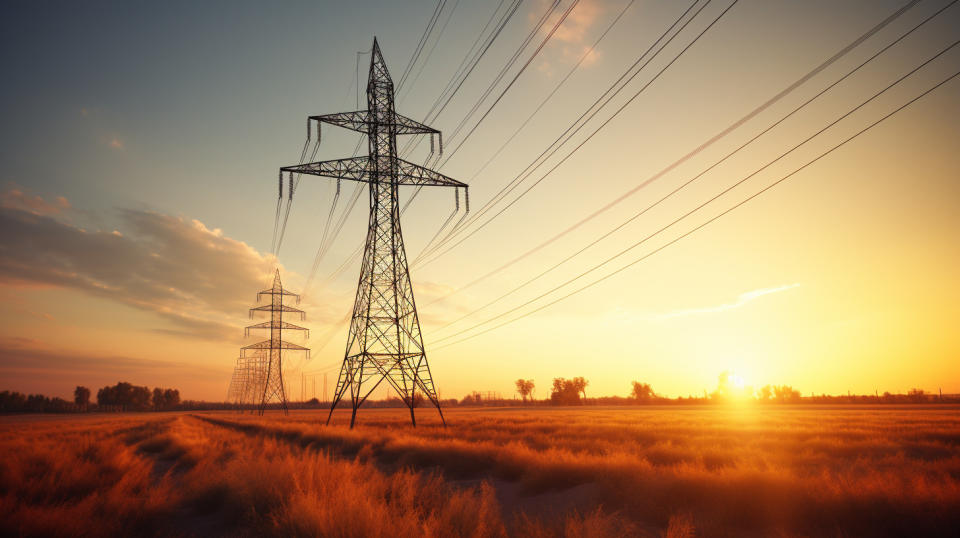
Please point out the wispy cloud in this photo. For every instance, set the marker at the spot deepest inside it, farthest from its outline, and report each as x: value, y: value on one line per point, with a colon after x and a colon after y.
x: 30, y: 366
x: 15, y: 198
x: 116, y: 143
x: 571, y: 36
x: 742, y: 299
x: 179, y: 269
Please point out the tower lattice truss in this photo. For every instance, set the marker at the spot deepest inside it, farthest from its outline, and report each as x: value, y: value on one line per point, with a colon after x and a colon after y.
x: 384, y: 341
x: 258, y: 376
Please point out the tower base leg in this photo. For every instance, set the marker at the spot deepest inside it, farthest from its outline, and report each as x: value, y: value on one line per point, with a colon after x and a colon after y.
x: 443, y: 420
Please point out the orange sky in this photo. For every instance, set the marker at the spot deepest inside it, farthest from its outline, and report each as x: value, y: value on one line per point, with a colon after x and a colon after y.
x: 134, y: 252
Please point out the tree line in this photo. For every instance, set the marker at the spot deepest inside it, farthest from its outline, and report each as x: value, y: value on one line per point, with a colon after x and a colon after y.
x: 120, y: 397
x: 572, y: 391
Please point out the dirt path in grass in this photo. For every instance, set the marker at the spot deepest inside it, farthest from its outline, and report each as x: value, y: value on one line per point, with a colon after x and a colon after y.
x: 159, y: 441
x: 462, y: 468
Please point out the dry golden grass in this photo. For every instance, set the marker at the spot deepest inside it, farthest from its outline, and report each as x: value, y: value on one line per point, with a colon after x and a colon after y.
x: 785, y: 471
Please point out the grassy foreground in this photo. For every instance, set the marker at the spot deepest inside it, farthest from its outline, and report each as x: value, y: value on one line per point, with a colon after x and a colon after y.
x: 781, y: 471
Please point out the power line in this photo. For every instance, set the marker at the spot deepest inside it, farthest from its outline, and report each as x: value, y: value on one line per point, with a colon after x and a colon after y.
x: 434, y: 46
x: 713, y: 219
x: 592, y: 110
x: 324, y: 244
x: 685, y: 184
x: 503, y: 92
x: 529, y: 171
x: 355, y: 197
x: 509, y: 85
x: 429, y: 245
x: 294, y: 182
x: 457, y: 81
x: 461, y: 69
x: 576, y: 66
x: 513, y: 59
x: 423, y: 41
x: 789, y: 89
x: 453, y: 87
x: 276, y: 218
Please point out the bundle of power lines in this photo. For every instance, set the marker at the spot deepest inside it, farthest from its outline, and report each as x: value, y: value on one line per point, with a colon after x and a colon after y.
x: 668, y: 48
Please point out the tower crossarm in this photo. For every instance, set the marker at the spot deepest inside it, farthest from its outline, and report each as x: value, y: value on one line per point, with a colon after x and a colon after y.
x: 277, y: 308
x: 358, y: 169
x: 276, y: 325
x: 406, y: 125
x: 355, y: 121
x: 360, y: 121
x: 353, y: 168
x: 283, y: 344
x: 414, y: 174
x: 278, y: 292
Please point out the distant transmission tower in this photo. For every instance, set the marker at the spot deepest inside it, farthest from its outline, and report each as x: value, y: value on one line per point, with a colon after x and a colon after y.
x: 258, y: 377
x: 384, y: 342
x: 249, y: 375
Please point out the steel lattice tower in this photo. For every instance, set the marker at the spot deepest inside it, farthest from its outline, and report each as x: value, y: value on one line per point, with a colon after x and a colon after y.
x: 384, y: 341
x: 259, y: 374
x: 249, y: 375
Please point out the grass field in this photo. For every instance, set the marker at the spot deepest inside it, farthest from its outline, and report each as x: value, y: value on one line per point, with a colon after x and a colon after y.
x: 651, y: 471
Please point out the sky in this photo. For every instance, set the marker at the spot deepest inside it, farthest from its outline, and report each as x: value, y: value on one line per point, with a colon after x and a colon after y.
x: 138, y: 170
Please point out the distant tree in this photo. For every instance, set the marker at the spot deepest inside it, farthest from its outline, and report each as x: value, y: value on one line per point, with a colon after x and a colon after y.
x: 766, y: 392
x: 105, y: 397
x: 158, y: 401
x: 786, y: 394
x: 725, y: 387
x: 125, y: 396
x: 565, y: 392
x: 417, y: 399
x: 524, y: 387
x: 171, y: 398
x: 581, y: 386
x: 81, y: 397
x: 12, y: 401
x: 917, y: 396
x: 36, y: 403
x: 165, y: 399
x: 642, y: 392
x: 140, y: 399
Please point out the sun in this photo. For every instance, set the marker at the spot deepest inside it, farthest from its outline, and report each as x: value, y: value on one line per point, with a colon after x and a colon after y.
x: 734, y: 388
x: 737, y: 381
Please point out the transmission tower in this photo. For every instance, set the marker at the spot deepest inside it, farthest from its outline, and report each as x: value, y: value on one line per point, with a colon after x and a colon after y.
x: 259, y: 374
x: 249, y: 375
x: 384, y: 340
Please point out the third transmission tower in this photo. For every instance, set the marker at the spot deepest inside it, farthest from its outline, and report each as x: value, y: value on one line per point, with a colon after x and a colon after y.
x: 260, y: 373
x: 384, y: 342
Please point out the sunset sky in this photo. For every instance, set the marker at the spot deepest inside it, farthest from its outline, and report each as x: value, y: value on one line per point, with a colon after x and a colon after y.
x: 138, y: 168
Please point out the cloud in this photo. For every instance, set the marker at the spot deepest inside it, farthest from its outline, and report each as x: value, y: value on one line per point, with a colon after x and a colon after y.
x: 115, y: 143
x: 742, y: 299
x: 27, y: 365
x: 196, y: 278
x: 581, y: 19
x: 45, y: 316
x: 569, y: 38
x: 16, y: 198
